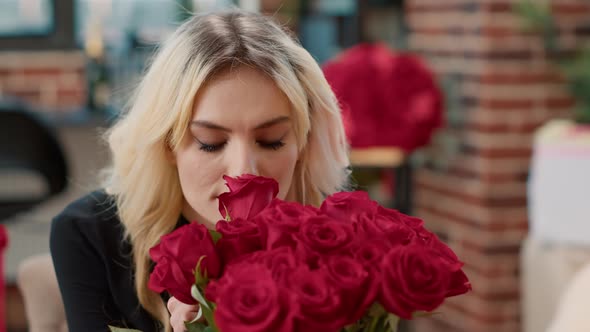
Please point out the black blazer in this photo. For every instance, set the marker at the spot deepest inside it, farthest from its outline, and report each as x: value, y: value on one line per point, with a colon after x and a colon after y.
x: 93, y: 264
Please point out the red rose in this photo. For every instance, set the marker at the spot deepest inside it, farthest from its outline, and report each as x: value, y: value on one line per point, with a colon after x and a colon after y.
x: 430, y: 239
x: 420, y: 235
x: 168, y: 276
x: 395, y: 215
x: 176, y: 257
x: 347, y: 206
x: 356, y: 285
x: 248, y: 299
x: 370, y: 254
x: 238, y: 237
x: 415, y: 278
x: 459, y: 282
x: 280, y: 221
x: 280, y: 261
x: 383, y: 227
x: 323, y: 235
x: 248, y: 195
x: 389, y: 226
x: 320, y: 302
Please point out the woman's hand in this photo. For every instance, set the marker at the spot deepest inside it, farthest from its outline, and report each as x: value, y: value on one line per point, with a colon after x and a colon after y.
x: 180, y: 313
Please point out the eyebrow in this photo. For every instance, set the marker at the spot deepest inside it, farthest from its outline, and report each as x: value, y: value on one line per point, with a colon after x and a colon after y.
x: 266, y: 124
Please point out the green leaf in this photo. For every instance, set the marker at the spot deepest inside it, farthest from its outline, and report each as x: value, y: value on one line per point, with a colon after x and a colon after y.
x: 200, y: 279
x: 208, y: 313
x: 196, y: 293
x: 120, y: 329
x: 215, y: 235
x: 227, y: 217
x: 205, y: 306
x: 376, y: 310
x: 196, y: 326
x: 198, y: 317
x: 356, y: 327
x: 392, y: 321
x: 373, y: 324
x: 537, y: 17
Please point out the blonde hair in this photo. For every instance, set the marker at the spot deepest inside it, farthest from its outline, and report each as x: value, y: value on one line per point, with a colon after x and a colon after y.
x: 143, y: 180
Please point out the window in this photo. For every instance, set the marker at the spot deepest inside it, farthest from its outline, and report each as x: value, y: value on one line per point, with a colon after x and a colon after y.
x: 26, y: 17
x: 36, y: 24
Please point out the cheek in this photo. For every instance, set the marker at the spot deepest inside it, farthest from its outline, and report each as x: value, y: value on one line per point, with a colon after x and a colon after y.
x: 281, y: 167
x: 194, y: 174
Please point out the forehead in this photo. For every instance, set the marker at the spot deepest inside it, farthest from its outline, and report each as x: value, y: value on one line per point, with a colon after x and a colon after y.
x: 240, y: 95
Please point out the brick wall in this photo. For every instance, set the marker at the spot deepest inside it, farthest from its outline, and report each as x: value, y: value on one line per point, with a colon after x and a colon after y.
x: 505, y: 88
x: 50, y: 81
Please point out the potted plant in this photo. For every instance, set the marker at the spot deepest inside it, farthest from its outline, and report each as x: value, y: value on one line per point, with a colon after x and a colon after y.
x: 574, y: 64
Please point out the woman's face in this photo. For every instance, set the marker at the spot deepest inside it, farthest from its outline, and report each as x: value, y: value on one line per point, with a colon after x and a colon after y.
x: 241, y: 124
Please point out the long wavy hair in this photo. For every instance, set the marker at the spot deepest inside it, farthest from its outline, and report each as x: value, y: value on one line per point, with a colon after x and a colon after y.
x: 142, y: 179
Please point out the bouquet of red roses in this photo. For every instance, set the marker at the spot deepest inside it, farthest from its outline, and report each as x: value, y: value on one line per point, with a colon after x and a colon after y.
x: 273, y: 265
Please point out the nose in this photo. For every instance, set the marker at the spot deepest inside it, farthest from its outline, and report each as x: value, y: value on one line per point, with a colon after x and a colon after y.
x: 243, y: 160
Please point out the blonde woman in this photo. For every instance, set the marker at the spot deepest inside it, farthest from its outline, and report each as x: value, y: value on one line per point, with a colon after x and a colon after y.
x: 228, y: 93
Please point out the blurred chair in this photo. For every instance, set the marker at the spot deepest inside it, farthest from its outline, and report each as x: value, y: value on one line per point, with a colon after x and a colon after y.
x: 37, y: 283
x: 28, y: 146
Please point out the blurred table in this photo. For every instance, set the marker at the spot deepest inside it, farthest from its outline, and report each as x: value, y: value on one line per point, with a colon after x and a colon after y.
x: 389, y: 158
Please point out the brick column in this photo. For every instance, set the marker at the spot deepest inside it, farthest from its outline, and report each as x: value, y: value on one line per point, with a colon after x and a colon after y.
x: 503, y: 89
x: 51, y: 81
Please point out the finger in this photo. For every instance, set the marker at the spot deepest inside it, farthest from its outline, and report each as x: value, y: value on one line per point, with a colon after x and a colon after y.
x: 181, y: 313
x: 189, y: 316
x: 172, y: 304
x: 181, y: 307
x: 178, y: 327
x: 178, y: 321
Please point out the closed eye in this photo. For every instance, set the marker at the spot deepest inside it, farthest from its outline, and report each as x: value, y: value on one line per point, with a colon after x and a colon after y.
x: 274, y: 145
x: 210, y: 147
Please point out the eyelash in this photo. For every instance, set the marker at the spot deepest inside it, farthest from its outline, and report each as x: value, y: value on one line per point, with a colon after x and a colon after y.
x: 209, y: 147
x: 216, y: 147
x: 272, y: 145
